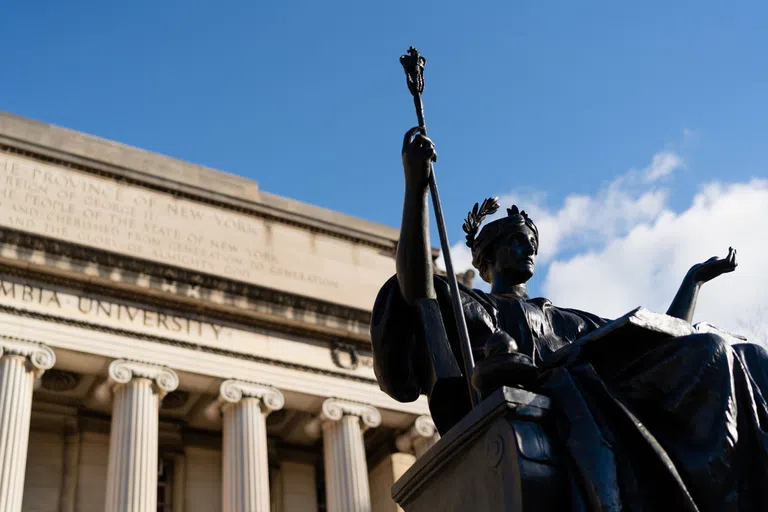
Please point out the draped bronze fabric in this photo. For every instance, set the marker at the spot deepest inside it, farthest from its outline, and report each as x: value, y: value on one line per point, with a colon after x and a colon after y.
x: 646, y: 424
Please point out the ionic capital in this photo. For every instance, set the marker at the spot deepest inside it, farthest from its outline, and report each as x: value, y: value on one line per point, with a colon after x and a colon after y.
x: 122, y: 371
x: 334, y: 409
x: 423, y: 429
x: 40, y: 357
x: 233, y: 391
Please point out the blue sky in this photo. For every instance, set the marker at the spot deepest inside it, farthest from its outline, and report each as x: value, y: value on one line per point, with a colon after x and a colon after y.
x: 531, y: 100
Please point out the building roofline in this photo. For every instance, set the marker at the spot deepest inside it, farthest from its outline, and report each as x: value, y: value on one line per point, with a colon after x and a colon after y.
x: 179, y: 177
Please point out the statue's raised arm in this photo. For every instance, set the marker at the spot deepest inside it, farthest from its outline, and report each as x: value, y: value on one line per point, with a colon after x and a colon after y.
x: 647, y: 412
x: 674, y: 409
x: 684, y: 303
x: 414, y: 251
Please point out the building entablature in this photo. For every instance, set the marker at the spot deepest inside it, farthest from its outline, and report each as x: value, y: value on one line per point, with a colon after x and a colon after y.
x: 168, y: 329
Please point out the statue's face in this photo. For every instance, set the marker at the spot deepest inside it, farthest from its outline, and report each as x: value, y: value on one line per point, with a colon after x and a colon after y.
x: 516, y: 254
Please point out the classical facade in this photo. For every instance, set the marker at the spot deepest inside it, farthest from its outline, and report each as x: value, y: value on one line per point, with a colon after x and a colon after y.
x: 174, y: 339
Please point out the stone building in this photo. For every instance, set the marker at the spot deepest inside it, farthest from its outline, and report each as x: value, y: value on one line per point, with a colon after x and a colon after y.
x: 174, y: 339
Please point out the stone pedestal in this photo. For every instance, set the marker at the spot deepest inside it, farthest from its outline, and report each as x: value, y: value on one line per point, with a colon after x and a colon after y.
x: 20, y: 364
x: 346, y: 472
x: 132, y: 470
x: 244, y: 407
x: 498, y: 457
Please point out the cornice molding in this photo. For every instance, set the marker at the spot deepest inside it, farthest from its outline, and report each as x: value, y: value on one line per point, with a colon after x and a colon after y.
x: 213, y: 311
x: 158, y: 278
x: 179, y: 344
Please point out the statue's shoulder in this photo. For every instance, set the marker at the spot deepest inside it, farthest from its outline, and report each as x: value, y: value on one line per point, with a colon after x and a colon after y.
x: 477, y: 304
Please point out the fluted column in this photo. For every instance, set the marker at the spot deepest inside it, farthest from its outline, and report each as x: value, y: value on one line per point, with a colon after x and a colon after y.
x: 244, y: 407
x: 419, y: 438
x: 20, y: 364
x: 346, y: 471
x: 132, y: 470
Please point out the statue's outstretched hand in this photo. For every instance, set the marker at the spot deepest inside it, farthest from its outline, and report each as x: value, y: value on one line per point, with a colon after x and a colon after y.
x: 713, y: 267
x: 684, y: 303
x: 418, y: 154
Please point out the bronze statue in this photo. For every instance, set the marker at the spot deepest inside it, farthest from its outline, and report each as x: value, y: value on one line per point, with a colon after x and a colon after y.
x: 644, y: 421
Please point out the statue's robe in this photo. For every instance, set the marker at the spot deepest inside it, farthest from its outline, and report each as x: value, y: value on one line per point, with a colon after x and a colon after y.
x: 646, y: 424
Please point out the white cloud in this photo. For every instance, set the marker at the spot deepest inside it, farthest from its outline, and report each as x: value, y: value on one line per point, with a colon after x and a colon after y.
x: 586, y: 220
x: 624, y: 247
x: 645, y: 266
x: 662, y: 165
x: 461, y: 257
x: 582, y: 220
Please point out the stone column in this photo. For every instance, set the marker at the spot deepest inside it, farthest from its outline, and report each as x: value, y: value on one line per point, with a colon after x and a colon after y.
x: 383, y: 476
x: 179, y: 482
x: 346, y: 471
x: 420, y: 438
x: 132, y: 470
x: 21, y: 363
x: 245, y: 462
x: 70, y: 469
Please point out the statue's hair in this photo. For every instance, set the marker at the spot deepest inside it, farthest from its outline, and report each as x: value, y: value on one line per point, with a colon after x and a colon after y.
x: 480, y: 240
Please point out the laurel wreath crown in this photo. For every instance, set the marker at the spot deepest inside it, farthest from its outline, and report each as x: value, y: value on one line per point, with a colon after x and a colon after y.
x: 476, y: 216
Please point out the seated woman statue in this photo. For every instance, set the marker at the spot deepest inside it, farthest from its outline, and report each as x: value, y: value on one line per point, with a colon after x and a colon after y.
x: 644, y: 423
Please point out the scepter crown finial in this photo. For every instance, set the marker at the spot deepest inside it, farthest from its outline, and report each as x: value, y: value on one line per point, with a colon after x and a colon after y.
x: 413, y: 64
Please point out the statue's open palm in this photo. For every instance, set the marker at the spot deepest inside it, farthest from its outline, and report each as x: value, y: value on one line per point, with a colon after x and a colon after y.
x: 713, y: 267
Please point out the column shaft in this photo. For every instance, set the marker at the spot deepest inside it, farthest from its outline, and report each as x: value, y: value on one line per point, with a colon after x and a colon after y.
x: 132, y: 470
x: 16, y: 385
x: 133, y: 443
x: 245, y: 464
x: 21, y: 362
x: 179, y: 482
x: 70, y: 472
x: 246, y: 469
x: 346, y: 471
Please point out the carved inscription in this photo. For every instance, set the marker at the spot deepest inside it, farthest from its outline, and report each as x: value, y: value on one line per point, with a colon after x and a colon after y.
x: 93, y: 308
x: 29, y: 295
x: 105, y: 214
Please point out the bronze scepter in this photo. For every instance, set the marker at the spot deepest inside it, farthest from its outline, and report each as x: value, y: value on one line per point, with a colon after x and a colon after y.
x: 413, y: 64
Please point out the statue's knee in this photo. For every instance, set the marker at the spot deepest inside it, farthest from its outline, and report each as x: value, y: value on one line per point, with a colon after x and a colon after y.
x: 755, y: 360
x: 708, y: 344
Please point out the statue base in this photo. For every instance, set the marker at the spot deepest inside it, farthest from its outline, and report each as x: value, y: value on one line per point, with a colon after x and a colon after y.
x: 498, y: 457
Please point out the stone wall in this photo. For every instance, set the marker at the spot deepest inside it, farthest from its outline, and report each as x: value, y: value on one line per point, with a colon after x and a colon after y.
x: 92, y: 472
x: 45, y: 461
x: 298, y: 487
x: 202, y: 480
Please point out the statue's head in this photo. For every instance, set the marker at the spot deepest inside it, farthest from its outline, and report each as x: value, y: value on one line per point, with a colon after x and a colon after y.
x: 506, y: 246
